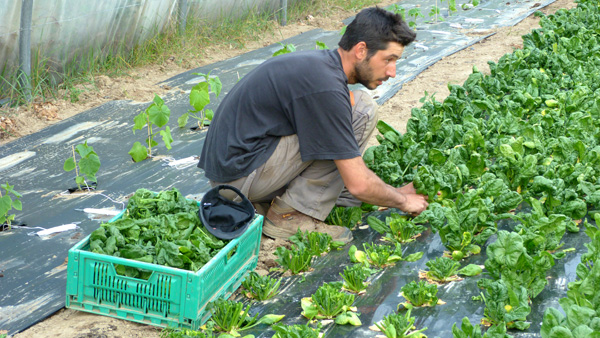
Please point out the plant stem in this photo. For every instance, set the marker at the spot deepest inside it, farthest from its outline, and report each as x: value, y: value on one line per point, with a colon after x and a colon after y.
x: 149, y: 134
x: 75, y: 160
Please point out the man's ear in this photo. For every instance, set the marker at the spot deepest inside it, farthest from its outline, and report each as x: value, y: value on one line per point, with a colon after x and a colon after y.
x: 360, y: 51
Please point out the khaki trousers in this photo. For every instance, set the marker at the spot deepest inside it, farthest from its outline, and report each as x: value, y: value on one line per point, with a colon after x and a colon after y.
x: 311, y: 187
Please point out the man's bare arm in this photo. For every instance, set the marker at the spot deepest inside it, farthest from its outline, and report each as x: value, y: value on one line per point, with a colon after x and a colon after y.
x: 363, y: 184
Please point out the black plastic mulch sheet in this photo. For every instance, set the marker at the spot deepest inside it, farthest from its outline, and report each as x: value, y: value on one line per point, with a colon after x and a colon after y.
x: 33, y: 268
x: 383, y: 295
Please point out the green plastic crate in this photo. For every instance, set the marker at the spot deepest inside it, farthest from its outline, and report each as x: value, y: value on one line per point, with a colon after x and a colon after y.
x: 171, y: 297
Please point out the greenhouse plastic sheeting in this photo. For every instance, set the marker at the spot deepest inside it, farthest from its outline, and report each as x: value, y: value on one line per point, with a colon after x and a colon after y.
x: 383, y: 294
x: 33, y: 268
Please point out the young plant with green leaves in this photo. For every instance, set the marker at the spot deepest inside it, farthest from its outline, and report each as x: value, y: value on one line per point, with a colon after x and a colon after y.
x: 414, y: 13
x: 260, y: 287
x: 285, y: 49
x: 233, y: 317
x: 355, y: 277
x: 320, y: 45
x: 297, y: 260
x: 154, y: 117
x: 199, y: 99
x: 396, y: 325
x: 419, y: 294
x: 329, y: 302
x: 380, y: 255
x: 87, y: 166
x: 467, y: 330
x: 442, y: 270
x: 396, y: 228
x: 347, y: 217
x: 8, y: 201
x: 295, y: 331
x: 317, y: 243
x: 505, y: 305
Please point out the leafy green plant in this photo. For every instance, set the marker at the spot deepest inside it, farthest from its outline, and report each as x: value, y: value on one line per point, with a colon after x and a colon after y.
x: 7, y: 203
x: 347, y: 217
x: 321, y: 45
x: 233, y: 317
x: 199, y: 99
x: 397, y: 9
x: 442, y: 269
x: 157, y: 115
x: 419, y: 294
x: 505, y: 305
x: 260, y: 287
x: 467, y: 330
x: 87, y: 166
x: 317, y: 243
x: 355, y: 278
x: 396, y: 228
x: 185, y: 333
x: 296, y: 261
x: 295, y: 331
x: 380, y: 255
x: 470, y: 4
x: 285, y: 49
x: 414, y: 13
x: 330, y: 302
x: 396, y: 325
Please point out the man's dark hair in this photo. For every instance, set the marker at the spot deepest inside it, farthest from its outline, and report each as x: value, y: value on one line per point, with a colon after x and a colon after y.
x: 377, y: 27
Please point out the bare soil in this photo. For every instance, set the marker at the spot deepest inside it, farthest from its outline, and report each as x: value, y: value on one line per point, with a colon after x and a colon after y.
x: 141, y: 84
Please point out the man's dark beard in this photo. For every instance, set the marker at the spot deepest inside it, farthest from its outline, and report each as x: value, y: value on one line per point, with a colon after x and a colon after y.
x: 364, y: 74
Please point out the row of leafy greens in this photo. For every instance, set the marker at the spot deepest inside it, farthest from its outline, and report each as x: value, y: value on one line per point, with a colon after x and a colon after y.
x: 160, y: 228
x: 521, y: 144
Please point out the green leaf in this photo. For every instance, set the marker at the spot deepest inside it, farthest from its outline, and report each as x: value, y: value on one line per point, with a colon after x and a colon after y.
x: 69, y: 164
x: 182, y: 120
x: 414, y: 257
x: 470, y: 270
x: 5, y: 205
x: 166, y: 136
x: 139, y: 121
x: 270, y: 319
x: 17, y: 205
x: 159, y: 114
x: 199, y: 96
x: 215, y: 85
x: 90, y: 165
x: 138, y: 152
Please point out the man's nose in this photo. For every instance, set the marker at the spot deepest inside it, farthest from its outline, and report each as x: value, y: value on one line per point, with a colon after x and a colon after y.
x: 391, y: 70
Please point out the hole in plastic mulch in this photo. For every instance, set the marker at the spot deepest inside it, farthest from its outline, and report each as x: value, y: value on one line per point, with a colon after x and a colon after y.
x: 84, y: 188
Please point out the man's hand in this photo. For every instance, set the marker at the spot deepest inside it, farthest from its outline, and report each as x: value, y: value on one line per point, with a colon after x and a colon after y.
x: 414, y: 203
x: 408, y: 189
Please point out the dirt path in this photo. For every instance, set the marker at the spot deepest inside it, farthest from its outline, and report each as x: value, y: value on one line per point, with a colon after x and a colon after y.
x: 141, y: 84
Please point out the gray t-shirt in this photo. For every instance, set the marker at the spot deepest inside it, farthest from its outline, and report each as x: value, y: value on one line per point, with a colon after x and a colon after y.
x: 303, y: 93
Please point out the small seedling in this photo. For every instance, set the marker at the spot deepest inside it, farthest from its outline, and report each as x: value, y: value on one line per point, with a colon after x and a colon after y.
x: 380, y: 255
x: 7, y: 203
x: 199, y: 99
x: 354, y: 278
x: 260, y: 287
x: 295, y: 331
x: 294, y: 260
x: 320, y: 45
x: 442, y: 270
x: 157, y: 114
x: 285, y: 49
x: 232, y: 317
x: 87, y: 166
x: 330, y: 302
x: 347, y: 217
x: 396, y: 325
x: 414, y: 13
x: 419, y: 294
